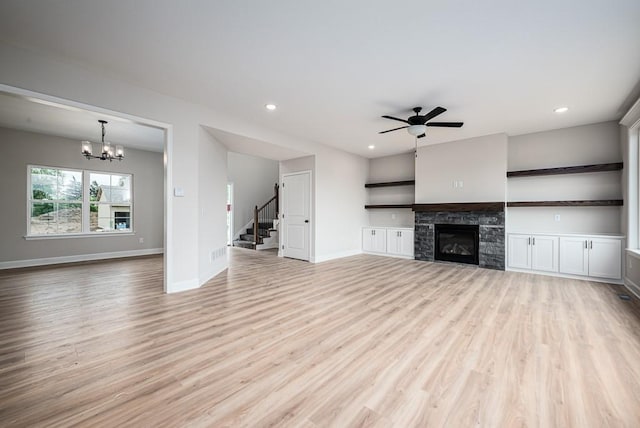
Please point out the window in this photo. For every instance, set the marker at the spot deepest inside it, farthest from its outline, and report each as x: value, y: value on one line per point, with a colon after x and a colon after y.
x: 67, y: 202
x: 110, y: 197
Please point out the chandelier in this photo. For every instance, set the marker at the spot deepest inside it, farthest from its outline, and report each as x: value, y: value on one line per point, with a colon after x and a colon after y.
x: 107, y: 149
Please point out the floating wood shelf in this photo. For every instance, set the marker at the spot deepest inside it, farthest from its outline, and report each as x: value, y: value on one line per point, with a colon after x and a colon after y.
x: 369, y: 207
x: 596, y: 203
x: 601, y: 167
x: 391, y: 184
x: 460, y: 207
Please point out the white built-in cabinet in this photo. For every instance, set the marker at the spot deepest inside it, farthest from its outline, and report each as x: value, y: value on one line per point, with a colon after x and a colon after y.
x: 536, y: 252
x: 391, y: 241
x: 400, y: 242
x: 593, y: 256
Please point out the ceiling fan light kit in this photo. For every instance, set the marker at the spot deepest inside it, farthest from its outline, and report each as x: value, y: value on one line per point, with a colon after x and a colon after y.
x: 417, y: 124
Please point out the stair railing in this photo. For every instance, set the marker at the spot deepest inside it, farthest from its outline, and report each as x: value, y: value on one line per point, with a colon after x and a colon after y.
x: 265, y: 213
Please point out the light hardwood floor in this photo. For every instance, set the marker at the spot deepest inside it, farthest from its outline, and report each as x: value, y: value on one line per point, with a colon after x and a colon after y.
x: 361, y: 341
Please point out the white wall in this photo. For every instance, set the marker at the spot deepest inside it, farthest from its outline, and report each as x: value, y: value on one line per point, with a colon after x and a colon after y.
x: 22, y: 148
x: 340, y: 176
x: 581, y: 145
x: 253, y: 180
x: 479, y: 163
x: 340, y: 201
x: 212, y: 237
x: 391, y: 168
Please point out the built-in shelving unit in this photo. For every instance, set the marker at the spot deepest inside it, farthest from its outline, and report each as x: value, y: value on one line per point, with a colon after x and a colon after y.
x: 601, y: 167
x: 389, y: 184
x: 580, y: 169
x: 388, y: 206
x: 594, y: 203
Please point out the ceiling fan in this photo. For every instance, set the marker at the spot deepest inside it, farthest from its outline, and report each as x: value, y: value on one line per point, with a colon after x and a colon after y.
x: 417, y: 125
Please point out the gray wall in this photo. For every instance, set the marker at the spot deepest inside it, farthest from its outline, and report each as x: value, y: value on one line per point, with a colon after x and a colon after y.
x: 23, y: 148
x: 391, y: 168
x: 580, y: 145
x: 253, y: 179
x: 479, y: 163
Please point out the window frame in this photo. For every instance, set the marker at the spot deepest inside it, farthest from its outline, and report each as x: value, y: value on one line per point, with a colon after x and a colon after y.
x: 85, y: 205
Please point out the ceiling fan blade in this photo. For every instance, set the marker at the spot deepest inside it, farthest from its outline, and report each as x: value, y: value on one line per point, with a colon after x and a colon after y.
x: 422, y: 135
x: 395, y: 118
x: 394, y: 129
x: 433, y: 113
x: 446, y: 124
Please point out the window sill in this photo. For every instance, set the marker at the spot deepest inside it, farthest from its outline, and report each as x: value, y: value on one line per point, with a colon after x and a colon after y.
x: 78, y: 235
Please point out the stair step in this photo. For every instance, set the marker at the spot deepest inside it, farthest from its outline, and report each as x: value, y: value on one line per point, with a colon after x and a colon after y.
x: 243, y: 244
x: 249, y: 237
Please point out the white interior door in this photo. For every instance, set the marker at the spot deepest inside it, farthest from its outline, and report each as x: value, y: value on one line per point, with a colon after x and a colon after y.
x: 296, y: 215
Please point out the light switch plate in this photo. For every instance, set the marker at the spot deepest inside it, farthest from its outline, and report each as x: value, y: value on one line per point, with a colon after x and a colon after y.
x: 178, y: 192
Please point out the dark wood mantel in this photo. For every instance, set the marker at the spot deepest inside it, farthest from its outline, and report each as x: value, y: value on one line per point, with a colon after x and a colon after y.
x: 464, y: 206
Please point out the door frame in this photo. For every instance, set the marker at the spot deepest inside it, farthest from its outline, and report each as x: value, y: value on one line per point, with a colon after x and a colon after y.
x: 168, y: 157
x: 283, y: 227
x: 230, y: 232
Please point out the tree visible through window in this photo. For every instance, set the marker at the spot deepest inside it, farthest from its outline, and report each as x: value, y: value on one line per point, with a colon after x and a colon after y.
x: 65, y: 201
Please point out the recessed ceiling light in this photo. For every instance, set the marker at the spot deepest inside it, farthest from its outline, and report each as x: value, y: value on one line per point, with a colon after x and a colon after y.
x: 371, y: 147
x: 561, y: 109
x: 270, y: 106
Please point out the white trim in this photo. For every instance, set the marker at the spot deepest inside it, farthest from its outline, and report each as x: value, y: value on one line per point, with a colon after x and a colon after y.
x: 397, y: 256
x: 216, y: 268
x: 77, y: 235
x: 79, y: 258
x: 168, y: 156
x: 168, y: 208
x: 632, y: 287
x: 334, y: 256
x: 632, y: 118
x: 186, y: 285
x: 564, y: 275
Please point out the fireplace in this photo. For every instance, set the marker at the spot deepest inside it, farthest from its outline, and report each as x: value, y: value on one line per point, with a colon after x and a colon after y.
x: 486, y: 218
x: 457, y: 243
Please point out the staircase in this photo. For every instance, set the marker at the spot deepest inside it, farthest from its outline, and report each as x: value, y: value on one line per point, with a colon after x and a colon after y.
x: 263, y: 233
x: 267, y: 237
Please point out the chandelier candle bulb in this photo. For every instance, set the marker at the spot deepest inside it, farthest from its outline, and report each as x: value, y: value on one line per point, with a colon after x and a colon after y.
x: 86, y: 148
x: 119, y: 152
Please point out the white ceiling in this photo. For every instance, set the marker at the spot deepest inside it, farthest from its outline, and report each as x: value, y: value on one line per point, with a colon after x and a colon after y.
x: 335, y: 66
x: 29, y: 114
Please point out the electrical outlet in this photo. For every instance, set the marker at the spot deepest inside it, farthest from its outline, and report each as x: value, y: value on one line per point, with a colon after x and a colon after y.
x: 557, y: 217
x: 393, y: 216
x: 141, y: 240
x: 461, y: 184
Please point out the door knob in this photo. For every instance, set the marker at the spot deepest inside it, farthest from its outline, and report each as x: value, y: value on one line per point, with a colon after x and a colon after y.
x: 306, y: 221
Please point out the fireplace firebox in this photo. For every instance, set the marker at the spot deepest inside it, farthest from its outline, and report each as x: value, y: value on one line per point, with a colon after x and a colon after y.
x: 457, y: 243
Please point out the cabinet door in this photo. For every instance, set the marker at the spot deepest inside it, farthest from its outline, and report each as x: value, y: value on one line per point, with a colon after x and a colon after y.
x: 544, y: 253
x: 380, y: 240
x: 367, y: 239
x: 574, y: 255
x: 393, y: 241
x: 519, y: 251
x: 406, y: 243
x: 605, y: 258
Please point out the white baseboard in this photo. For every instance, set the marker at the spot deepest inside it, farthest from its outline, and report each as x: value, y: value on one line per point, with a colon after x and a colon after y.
x: 564, y: 275
x: 334, y: 256
x: 79, y: 258
x: 216, y: 268
x: 189, y: 284
x: 632, y: 286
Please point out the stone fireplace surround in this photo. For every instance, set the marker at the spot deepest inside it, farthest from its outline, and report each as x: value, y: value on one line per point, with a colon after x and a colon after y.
x: 488, y: 216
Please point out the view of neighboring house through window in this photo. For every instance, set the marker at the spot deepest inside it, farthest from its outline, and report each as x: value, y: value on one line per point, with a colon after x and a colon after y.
x: 67, y: 202
x: 110, y: 196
